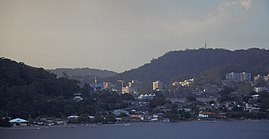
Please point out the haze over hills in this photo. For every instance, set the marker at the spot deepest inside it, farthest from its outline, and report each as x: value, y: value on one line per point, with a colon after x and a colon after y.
x: 80, y: 72
x: 84, y: 75
x: 176, y: 65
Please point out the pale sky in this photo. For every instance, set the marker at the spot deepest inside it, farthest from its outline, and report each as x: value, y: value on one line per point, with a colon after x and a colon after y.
x: 120, y: 35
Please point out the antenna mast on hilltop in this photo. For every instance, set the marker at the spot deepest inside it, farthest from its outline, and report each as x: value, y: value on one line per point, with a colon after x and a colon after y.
x: 205, y: 45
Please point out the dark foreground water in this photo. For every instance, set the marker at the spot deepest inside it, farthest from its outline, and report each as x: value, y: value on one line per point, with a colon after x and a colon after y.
x: 181, y: 130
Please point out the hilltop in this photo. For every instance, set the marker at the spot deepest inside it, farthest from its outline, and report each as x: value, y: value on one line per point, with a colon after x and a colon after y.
x: 176, y: 65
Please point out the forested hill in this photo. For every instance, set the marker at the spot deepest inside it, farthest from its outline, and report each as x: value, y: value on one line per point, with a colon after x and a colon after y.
x: 25, y: 90
x: 188, y: 63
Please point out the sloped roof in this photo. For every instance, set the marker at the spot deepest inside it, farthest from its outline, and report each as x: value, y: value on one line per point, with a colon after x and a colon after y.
x: 18, y: 120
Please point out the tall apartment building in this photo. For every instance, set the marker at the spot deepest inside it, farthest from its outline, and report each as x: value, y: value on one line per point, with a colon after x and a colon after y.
x: 244, y: 76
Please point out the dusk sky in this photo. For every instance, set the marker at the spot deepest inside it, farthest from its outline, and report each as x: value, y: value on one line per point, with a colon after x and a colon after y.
x: 120, y: 35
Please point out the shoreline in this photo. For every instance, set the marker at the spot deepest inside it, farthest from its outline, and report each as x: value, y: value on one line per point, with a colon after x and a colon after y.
x: 43, y: 127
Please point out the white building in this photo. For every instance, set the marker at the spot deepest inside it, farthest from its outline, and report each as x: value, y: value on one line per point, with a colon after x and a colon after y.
x: 18, y: 122
x: 146, y: 96
x: 260, y: 89
x: 125, y: 90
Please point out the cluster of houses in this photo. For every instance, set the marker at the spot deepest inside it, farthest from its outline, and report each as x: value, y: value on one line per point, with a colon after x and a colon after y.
x: 40, y: 121
x: 205, y: 109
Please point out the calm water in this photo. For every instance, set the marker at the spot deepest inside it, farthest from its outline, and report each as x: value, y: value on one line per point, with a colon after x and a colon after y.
x: 181, y: 130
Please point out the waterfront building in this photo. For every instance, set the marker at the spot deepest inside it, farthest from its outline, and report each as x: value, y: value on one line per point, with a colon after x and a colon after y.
x: 18, y: 122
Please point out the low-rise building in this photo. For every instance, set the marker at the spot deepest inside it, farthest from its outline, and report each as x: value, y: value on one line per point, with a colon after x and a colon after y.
x: 146, y: 96
x: 184, y: 83
x: 251, y: 108
x: 119, y: 112
x: 260, y: 89
x: 206, y: 114
x: 18, y: 122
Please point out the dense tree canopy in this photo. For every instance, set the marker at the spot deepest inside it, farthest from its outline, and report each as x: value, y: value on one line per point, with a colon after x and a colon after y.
x: 29, y: 92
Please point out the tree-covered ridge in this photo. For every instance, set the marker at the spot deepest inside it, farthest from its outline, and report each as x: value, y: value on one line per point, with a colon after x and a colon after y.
x: 26, y: 90
x: 189, y: 63
x: 15, y: 74
x: 29, y: 92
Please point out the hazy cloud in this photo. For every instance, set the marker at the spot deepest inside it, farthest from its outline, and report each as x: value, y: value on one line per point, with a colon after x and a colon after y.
x: 120, y: 34
x: 241, y: 3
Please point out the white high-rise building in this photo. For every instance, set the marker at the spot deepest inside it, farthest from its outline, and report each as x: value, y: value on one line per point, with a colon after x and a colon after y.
x: 238, y: 76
